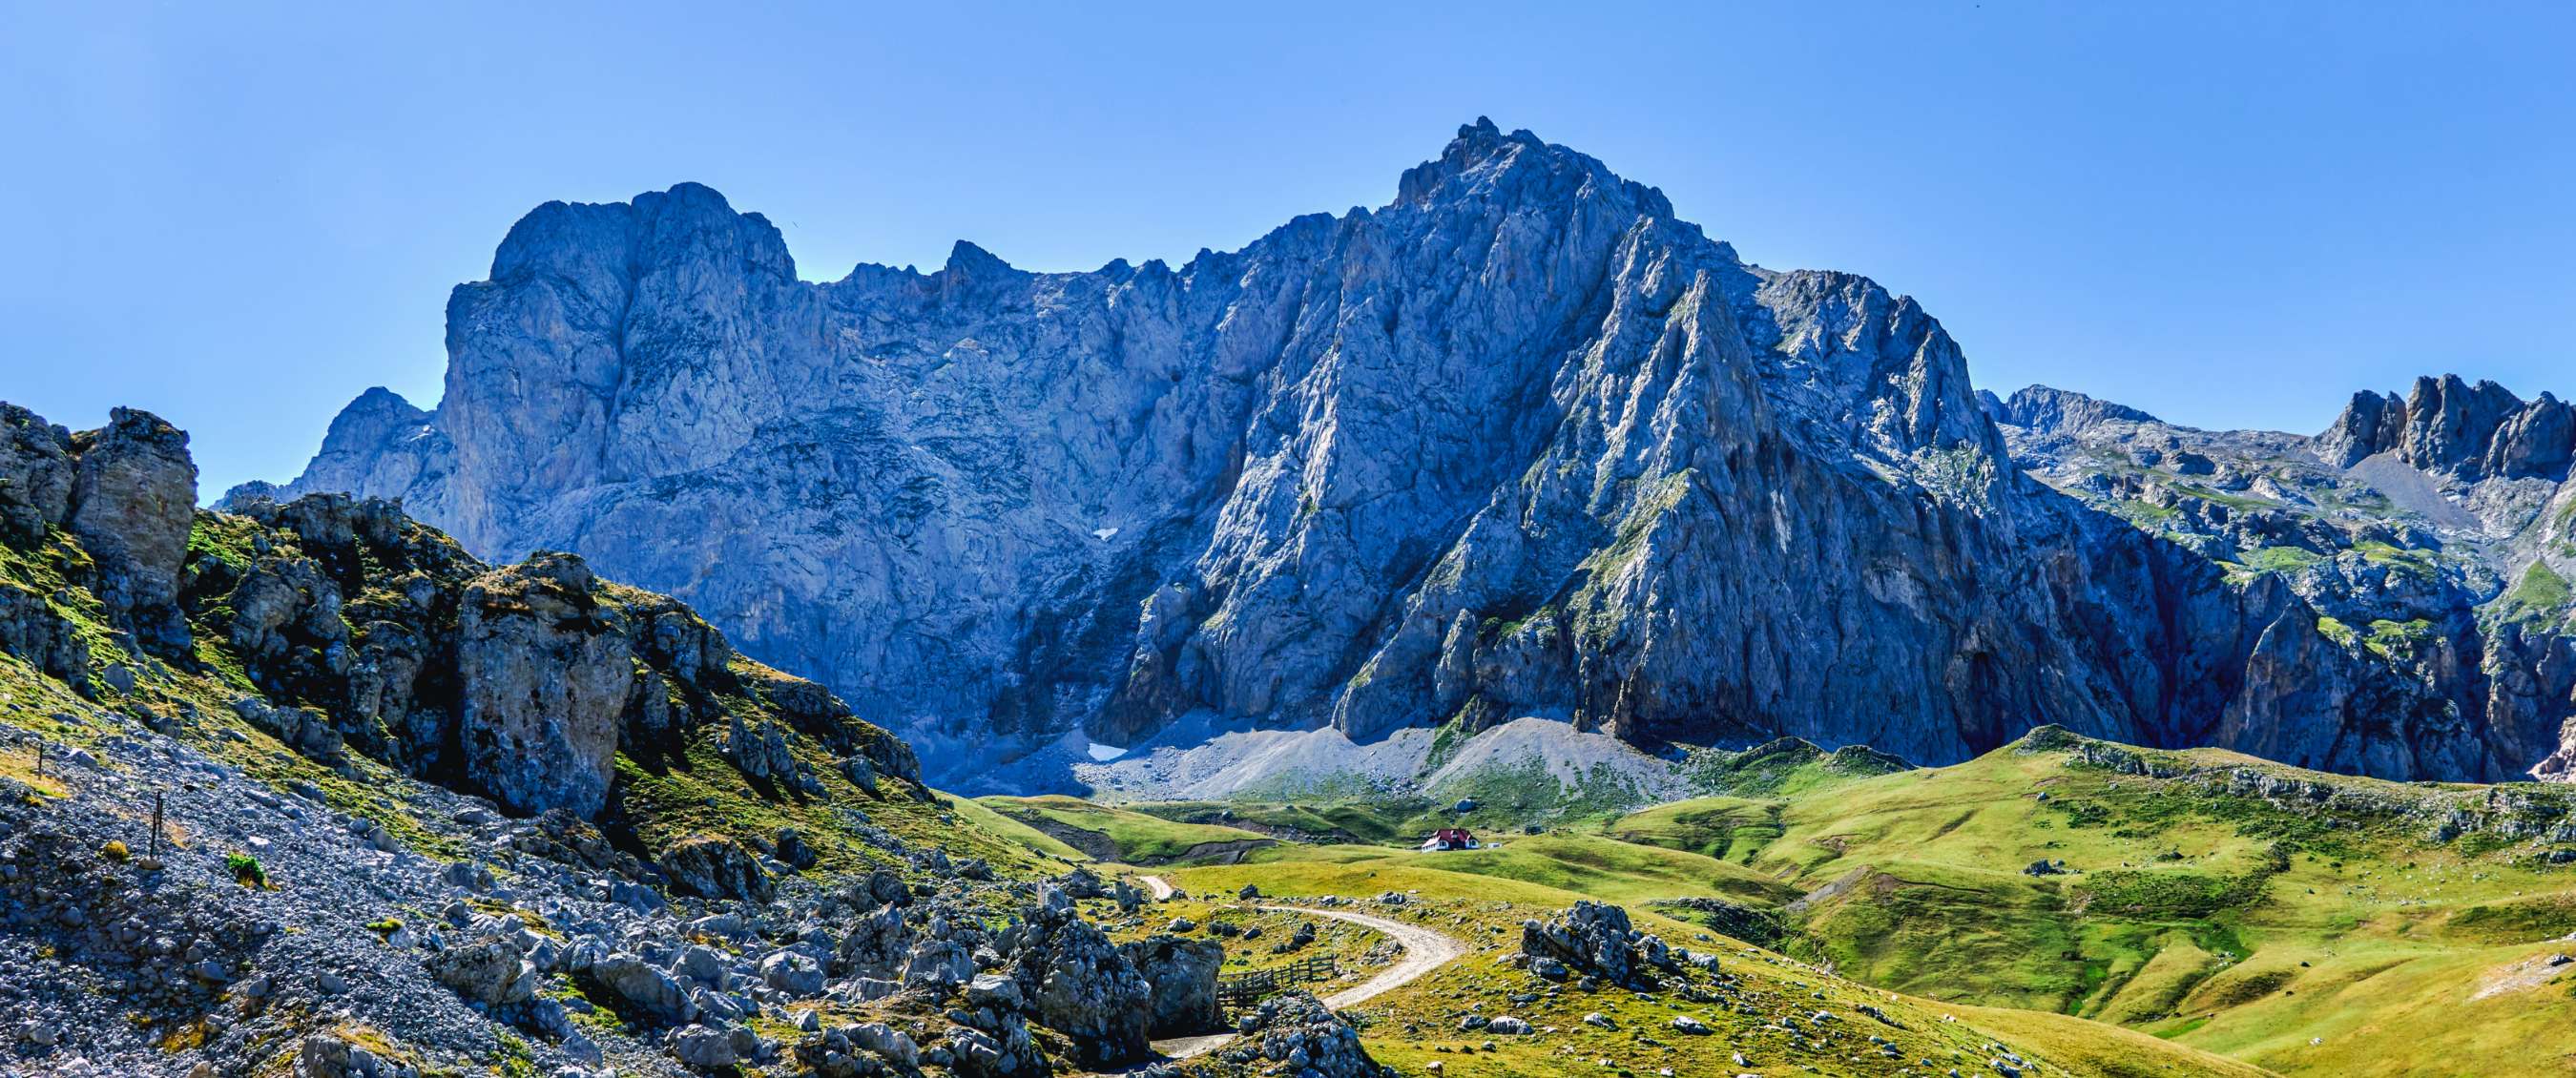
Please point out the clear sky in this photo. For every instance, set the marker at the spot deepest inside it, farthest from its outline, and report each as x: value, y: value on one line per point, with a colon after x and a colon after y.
x: 241, y: 215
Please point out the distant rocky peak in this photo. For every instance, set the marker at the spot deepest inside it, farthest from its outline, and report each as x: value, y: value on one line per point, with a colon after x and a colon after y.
x: 2049, y: 410
x: 1483, y: 163
x: 2449, y: 426
x: 594, y: 244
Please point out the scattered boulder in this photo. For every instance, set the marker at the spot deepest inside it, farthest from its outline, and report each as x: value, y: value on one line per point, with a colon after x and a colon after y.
x: 714, y: 867
x: 793, y: 973
x: 1182, y: 975
x: 1296, y: 1034
x: 641, y: 992
x: 490, y: 971
x: 1592, y: 938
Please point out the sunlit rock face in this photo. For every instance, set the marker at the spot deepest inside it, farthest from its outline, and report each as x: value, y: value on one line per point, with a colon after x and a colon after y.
x: 1518, y: 443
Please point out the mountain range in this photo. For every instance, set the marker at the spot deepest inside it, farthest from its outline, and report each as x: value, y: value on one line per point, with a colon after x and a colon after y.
x: 1517, y: 451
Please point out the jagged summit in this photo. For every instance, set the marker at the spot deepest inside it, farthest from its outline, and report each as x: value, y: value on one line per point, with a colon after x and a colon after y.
x: 2448, y: 426
x: 2048, y: 409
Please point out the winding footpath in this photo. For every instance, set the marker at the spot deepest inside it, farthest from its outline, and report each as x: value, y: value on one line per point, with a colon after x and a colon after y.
x: 1424, y: 951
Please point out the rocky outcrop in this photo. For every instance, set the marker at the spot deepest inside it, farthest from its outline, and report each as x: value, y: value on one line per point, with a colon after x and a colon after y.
x: 2408, y: 563
x: 1295, y: 1034
x: 2450, y: 427
x: 713, y: 867
x: 1519, y: 443
x: 1590, y: 939
x: 31, y: 630
x: 1075, y: 981
x: 35, y: 475
x: 544, y: 680
x: 133, y: 497
x: 1183, y: 974
x: 364, y: 632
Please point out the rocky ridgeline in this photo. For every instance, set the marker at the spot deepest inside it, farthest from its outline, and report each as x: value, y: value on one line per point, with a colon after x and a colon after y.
x: 2525, y: 812
x: 2449, y: 427
x: 400, y: 830
x: 1517, y: 443
x: 2418, y: 553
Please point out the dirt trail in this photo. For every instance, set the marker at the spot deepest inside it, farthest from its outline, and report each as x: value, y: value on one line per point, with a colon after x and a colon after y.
x: 1424, y: 951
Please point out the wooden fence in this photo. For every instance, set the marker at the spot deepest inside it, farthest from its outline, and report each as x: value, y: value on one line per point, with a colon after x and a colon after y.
x: 1245, y: 989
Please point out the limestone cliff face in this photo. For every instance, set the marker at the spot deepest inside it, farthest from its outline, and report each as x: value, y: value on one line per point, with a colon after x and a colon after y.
x: 1517, y: 443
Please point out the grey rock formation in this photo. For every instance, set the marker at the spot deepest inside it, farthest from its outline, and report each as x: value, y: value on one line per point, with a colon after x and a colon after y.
x: 545, y: 678
x: 1183, y: 974
x: 36, y: 459
x: 491, y: 971
x: 712, y: 867
x: 1295, y: 1034
x: 1518, y: 443
x: 2449, y: 427
x: 1591, y: 938
x: 133, y: 498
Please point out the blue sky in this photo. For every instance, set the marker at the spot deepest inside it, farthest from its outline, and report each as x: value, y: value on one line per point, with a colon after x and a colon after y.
x: 240, y: 216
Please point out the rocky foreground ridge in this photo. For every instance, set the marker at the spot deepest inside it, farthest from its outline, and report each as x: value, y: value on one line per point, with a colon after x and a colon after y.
x: 308, y: 790
x: 1518, y: 443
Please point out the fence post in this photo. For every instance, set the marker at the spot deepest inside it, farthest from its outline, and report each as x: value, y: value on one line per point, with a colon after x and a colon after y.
x: 156, y: 823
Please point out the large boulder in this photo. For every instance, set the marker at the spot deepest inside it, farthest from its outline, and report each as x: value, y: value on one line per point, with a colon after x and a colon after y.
x: 713, y: 867
x: 490, y: 971
x: 1592, y: 938
x: 133, y: 500
x: 1077, y: 982
x: 324, y: 1055
x: 641, y: 993
x: 1295, y: 1034
x: 546, y: 670
x: 1182, y: 974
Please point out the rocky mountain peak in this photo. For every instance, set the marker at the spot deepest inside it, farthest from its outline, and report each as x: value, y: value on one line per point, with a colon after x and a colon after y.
x: 1484, y: 164
x: 2448, y: 426
x: 2045, y: 409
x: 608, y: 246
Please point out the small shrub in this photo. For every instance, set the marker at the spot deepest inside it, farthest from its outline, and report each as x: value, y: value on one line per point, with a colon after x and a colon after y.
x: 385, y: 926
x: 115, y: 850
x: 246, y: 870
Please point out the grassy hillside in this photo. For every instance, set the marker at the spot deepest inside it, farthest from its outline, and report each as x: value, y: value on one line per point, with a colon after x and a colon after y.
x: 2051, y: 891
x: 1417, y: 1025
x: 2204, y: 897
x: 1110, y: 833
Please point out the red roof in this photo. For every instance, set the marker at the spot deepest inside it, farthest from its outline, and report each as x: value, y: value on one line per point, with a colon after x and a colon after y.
x: 1451, y: 834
